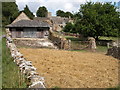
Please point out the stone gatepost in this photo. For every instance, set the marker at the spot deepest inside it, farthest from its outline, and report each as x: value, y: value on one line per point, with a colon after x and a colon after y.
x: 92, y: 43
x: 114, y: 44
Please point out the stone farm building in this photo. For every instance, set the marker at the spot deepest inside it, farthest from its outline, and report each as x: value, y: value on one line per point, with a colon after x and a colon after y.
x: 23, y: 27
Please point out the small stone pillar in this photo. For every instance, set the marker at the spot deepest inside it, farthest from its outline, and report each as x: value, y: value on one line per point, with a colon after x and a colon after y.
x: 108, y: 45
x: 69, y: 44
x: 92, y: 43
x: 114, y: 43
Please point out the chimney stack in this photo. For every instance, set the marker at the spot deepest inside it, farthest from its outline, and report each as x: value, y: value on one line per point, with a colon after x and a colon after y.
x: 49, y: 14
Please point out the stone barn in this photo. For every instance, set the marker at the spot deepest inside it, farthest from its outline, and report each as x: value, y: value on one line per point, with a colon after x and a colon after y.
x: 23, y: 27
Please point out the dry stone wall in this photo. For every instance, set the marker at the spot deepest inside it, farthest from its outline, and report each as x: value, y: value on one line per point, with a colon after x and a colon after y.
x: 34, y: 43
x: 63, y: 43
x: 59, y: 41
x: 114, y: 51
x: 25, y: 66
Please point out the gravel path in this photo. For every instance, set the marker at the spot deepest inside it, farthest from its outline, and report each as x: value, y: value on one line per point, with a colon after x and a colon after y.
x: 67, y: 69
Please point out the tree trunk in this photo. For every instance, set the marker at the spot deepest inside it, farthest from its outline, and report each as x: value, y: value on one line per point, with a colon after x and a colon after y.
x: 96, y: 38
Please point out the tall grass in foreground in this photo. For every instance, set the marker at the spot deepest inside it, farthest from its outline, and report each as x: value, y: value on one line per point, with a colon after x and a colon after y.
x: 11, y: 76
x: 0, y: 59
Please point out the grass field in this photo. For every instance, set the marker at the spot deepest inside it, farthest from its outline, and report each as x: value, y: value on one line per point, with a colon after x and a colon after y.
x: 108, y: 38
x: 67, y: 69
x: 11, y: 76
x: 72, y: 38
x: 0, y: 59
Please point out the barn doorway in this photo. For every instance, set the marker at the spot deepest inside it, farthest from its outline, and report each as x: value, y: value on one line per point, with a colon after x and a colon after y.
x: 30, y: 33
x: 18, y: 32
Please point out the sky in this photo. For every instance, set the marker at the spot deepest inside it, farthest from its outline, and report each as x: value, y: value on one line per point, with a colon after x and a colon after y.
x: 54, y: 5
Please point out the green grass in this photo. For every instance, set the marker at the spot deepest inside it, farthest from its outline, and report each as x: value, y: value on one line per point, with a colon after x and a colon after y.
x: 0, y: 32
x: 0, y: 59
x: 11, y: 76
x: 72, y: 38
x: 102, y: 49
x: 108, y: 38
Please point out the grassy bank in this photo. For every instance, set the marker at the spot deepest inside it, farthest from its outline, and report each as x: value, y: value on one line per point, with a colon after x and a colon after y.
x: 0, y: 59
x: 108, y: 38
x: 11, y: 76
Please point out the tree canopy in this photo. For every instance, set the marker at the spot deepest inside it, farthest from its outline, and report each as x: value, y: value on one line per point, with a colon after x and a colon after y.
x: 97, y: 19
x: 9, y: 12
x: 42, y: 12
x: 64, y: 14
x: 28, y: 12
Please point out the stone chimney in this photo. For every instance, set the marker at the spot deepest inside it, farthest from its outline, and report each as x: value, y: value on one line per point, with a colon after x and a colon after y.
x: 49, y: 14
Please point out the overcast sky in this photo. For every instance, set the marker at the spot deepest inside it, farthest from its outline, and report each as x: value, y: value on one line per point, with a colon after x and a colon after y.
x: 54, y: 5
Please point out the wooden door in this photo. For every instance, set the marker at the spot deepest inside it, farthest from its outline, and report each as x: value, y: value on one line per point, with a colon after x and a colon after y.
x: 18, y: 33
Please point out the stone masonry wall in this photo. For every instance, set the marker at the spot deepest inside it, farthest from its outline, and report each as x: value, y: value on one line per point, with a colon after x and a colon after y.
x: 114, y: 51
x: 25, y: 66
x: 59, y: 41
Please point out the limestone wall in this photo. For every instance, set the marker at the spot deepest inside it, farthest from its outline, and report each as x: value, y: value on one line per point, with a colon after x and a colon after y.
x: 25, y: 66
x: 114, y: 51
x: 59, y: 41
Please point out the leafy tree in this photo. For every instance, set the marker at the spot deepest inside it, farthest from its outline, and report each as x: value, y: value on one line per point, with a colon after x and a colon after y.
x: 42, y: 12
x: 28, y: 12
x: 97, y: 19
x: 68, y: 14
x: 64, y: 14
x: 60, y: 13
x: 9, y: 12
x: 68, y: 27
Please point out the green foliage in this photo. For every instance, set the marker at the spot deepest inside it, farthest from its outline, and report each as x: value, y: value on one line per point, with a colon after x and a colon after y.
x: 9, y: 12
x: 42, y: 12
x: 11, y: 76
x: 64, y: 14
x: 28, y: 12
x: 68, y: 27
x: 97, y: 19
x: 72, y: 38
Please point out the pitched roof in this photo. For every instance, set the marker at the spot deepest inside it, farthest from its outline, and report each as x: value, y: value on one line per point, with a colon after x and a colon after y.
x: 28, y: 23
x: 53, y: 19
x: 22, y: 16
x: 59, y: 20
x: 44, y: 19
x: 41, y: 18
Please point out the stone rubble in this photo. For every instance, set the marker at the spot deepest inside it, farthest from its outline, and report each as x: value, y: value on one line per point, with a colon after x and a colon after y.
x: 114, y: 51
x: 25, y: 66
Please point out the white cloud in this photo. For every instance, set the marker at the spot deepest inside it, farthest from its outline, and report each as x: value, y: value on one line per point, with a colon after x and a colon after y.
x: 68, y: 6
x: 54, y: 5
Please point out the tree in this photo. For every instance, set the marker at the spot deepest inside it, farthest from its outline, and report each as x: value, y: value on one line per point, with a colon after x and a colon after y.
x: 42, y: 12
x: 64, y: 14
x: 60, y: 13
x: 28, y: 12
x: 68, y: 14
x: 68, y: 27
x: 98, y: 19
x: 9, y: 12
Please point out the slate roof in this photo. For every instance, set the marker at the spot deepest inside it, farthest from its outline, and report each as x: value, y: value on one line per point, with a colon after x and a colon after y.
x: 28, y: 23
x: 53, y: 19
x: 59, y: 20
x: 41, y: 18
